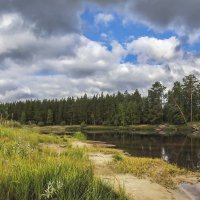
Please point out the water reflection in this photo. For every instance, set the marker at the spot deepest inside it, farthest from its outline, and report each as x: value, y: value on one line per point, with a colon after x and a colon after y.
x: 178, y: 149
x: 164, y: 155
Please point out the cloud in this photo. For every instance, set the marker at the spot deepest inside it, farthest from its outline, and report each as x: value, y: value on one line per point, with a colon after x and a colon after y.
x: 103, y: 18
x: 43, y: 53
x: 180, y: 16
x: 47, y: 16
x: 63, y: 16
x: 169, y: 13
x: 157, y: 50
x: 63, y: 66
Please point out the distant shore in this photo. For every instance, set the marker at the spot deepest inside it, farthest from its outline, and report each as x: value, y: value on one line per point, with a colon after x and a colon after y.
x: 160, y: 129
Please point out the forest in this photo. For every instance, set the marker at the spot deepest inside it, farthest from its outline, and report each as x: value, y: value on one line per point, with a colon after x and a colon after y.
x: 179, y: 105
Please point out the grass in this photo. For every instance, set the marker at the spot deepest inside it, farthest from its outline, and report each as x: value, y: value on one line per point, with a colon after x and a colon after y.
x: 29, y: 172
x: 157, y: 170
x: 105, y: 150
x: 141, y: 128
x: 80, y: 136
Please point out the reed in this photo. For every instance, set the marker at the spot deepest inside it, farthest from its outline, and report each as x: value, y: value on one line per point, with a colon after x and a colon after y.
x: 29, y: 172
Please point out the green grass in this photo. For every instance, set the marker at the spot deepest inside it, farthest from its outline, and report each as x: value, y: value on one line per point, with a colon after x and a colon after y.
x: 157, y: 170
x: 105, y: 150
x: 29, y: 172
x: 80, y: 136
x: 141, y: 128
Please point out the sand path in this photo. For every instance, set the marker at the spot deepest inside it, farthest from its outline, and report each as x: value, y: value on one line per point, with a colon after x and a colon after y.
x: 135, y: 188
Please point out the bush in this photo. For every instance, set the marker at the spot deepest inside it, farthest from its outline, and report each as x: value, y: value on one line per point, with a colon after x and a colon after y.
x: 41, y: 123
x: 63, y: 123
x: 80, y: 136
x: 11, y: 124
x: 83, y: 125
x: 106, y: 123
x: 118, y: 157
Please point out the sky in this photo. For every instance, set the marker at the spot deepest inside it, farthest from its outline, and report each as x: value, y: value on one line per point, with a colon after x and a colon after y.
x: 61, y: 48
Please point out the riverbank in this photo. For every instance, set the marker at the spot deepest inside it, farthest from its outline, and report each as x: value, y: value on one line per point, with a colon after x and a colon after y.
x: 44, y: 167
x: 160, y: 129
x: 141, y: 178
x: 40, y: 166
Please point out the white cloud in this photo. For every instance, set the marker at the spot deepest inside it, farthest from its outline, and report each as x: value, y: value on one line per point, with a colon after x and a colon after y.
x: 58, y: 66
x: 160, y: 50
x: 104, y: 18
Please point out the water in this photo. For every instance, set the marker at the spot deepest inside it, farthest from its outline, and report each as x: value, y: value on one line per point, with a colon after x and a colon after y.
x: 177, y: 149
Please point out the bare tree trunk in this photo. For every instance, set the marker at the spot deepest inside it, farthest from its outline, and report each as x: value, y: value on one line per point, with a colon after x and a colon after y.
x: 180, y: 110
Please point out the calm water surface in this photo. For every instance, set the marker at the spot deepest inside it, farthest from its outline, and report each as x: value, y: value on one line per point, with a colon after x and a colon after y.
x: 177, y: 149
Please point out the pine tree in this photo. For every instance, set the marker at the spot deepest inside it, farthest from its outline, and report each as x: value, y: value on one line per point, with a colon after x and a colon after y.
x: 190, y: 87
x: 155, y: 98
x: 49, y: 117
x: 23, y: 118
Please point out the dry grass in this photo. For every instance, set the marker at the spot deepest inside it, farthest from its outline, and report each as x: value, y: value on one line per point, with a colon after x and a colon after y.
x: 105, y: 150
x: 157, y: 170
x: 31, y: 172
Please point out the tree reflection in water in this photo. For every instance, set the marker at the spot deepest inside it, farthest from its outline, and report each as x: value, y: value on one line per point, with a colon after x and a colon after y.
x: 178, y: 148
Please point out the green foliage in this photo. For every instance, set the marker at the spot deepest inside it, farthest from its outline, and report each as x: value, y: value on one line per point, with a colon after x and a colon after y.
x: 49, y: 117
x: 29, y: 170
x: 155, y: 102
x: 83, y: 125
x: 63, y: 123
x: 41, y: 123
x: 118, y: 109
x: 10, y: 123
x: 156, y: 169
x: 106, y: 123
x: 79, y: 136
x: 118, y: 157
x: 23, y: 118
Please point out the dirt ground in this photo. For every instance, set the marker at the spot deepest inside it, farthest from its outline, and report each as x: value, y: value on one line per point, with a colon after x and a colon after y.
x: 135, y: 188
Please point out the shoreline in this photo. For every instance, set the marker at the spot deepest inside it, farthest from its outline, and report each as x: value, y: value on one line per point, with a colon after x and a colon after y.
x: 139, y: 129
x: 102, y: 157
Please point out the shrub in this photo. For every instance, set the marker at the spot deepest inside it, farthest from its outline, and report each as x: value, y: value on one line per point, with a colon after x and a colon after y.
x: 106, y: 123
x: 118, y: 157
x: 83, y: 125
x: 63, y: 123
x: 80, y: 136
x: 40, y: 123
x: 11, y: 124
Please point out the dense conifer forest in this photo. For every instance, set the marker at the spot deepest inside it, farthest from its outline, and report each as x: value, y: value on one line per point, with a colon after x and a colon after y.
x: 179, y: 105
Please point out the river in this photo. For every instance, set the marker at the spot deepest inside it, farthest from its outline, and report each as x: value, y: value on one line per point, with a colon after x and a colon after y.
x: 179, y: 149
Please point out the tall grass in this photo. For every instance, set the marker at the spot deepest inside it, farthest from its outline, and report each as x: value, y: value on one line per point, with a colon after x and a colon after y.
x: 29, y: 172
x: 157, y: 170
x: 79, y: 136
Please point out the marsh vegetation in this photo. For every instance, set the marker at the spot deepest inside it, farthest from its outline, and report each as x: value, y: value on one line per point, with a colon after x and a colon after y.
x: 31, y: 169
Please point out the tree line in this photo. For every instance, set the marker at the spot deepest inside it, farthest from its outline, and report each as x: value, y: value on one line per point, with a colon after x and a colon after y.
x: 179, y: 105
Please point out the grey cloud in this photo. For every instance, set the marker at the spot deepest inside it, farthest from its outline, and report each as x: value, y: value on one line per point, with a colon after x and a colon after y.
x: 161, y: 13
x: 112, y: 3
x: 19, y: 95
x: 8, y: 86
x: 49, y: 16
x: 55, y: 16
x: 63, y: 16
x: 55, y: 65
x: 179, y: 15
x: 164, y: 13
